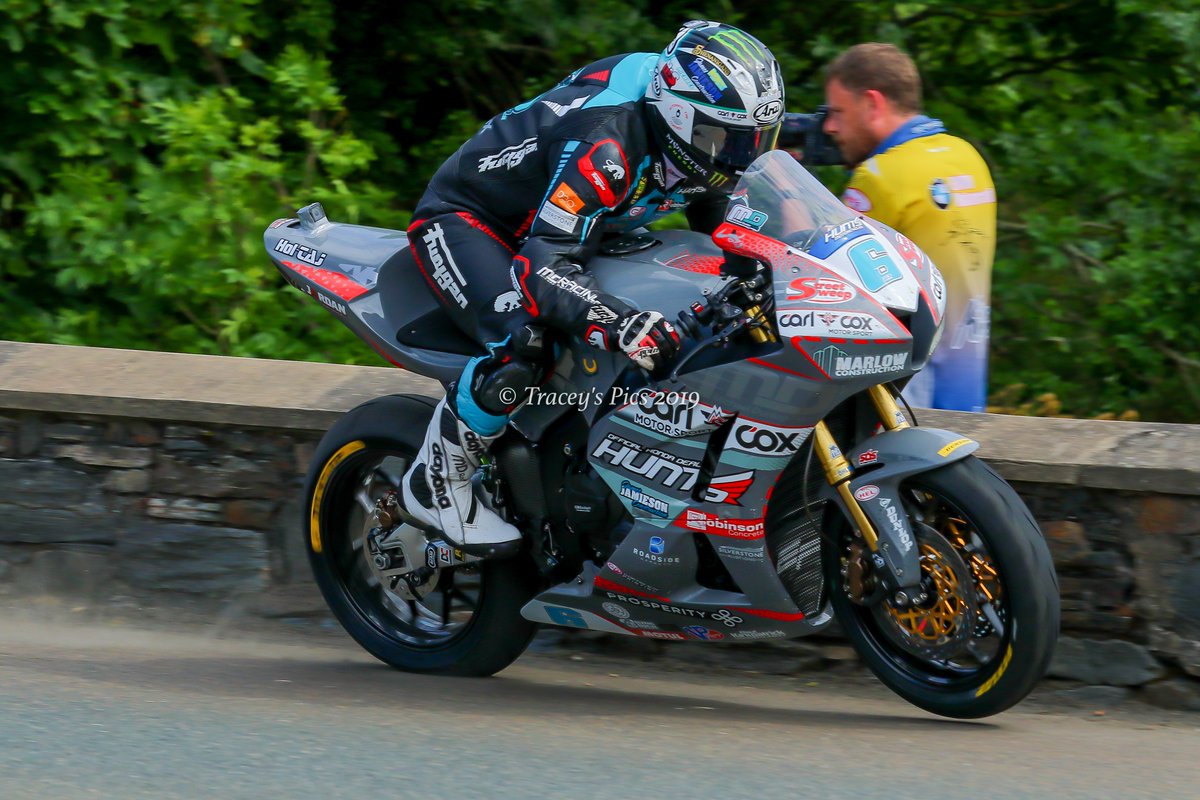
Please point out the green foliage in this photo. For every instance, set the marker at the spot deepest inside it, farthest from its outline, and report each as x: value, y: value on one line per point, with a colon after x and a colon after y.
x: 148, y: 144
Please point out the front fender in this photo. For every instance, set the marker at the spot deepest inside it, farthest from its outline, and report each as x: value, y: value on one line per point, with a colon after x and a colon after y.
x: 881, y: 462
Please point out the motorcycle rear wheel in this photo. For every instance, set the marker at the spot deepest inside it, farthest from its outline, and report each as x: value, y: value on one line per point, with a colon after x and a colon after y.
x: 469, y: 621
x: 994, y: 599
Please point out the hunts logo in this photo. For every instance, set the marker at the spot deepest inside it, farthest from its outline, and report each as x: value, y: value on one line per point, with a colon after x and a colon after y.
x: 509, y: 157
x: 828, y: 291
x: 306, y: 254
x: 445, y: 272
x: 670, y: 471
x: 837, y: 232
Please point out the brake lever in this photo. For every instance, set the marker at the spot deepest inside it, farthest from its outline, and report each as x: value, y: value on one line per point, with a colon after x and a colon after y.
x: 721, y: 337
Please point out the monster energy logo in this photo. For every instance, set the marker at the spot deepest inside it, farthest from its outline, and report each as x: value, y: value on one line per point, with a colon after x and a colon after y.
x: 740, y: 44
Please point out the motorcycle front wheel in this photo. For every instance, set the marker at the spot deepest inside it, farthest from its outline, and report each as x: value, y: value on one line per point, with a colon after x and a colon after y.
x: 985, y: 633
x: 465, y: 619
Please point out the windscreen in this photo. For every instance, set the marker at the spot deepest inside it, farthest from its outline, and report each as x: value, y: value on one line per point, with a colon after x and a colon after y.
x: 781, y: 199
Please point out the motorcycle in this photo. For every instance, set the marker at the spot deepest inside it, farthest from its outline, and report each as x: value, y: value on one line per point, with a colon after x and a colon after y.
x: 768, y: 485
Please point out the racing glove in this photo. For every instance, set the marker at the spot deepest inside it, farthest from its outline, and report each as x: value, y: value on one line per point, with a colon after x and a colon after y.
x: 648, y: 339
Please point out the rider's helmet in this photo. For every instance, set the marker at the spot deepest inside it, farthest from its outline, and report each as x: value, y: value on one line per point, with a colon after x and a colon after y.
x: 715, y: 101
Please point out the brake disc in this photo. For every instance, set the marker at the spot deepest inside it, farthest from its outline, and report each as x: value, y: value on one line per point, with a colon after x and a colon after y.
x: 940, y: 627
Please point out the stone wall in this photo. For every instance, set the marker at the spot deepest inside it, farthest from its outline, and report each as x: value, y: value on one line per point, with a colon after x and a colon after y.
x: 102, y: 508
x: 147, y: 479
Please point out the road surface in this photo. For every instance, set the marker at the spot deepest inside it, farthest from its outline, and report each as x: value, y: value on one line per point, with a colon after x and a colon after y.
x: 106, y: 712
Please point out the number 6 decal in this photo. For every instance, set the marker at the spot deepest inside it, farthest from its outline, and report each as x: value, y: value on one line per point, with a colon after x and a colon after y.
x: 873, y: 264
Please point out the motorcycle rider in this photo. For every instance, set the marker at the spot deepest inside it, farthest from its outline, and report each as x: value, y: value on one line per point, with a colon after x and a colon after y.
x: 505, y: 230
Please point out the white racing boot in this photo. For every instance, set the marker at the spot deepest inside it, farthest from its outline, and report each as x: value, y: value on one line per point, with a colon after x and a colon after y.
x: 438, y: 490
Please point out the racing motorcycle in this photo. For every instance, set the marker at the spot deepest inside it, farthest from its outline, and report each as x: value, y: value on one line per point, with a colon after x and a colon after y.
x: 766, y: 486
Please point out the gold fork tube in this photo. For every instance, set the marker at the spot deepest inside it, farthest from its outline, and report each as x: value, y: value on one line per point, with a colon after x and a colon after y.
x: 763, y: 333
x: 838, y: 473
x: 889, y: 410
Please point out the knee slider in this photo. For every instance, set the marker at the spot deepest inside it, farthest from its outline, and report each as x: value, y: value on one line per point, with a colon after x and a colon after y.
x: 503, y: 383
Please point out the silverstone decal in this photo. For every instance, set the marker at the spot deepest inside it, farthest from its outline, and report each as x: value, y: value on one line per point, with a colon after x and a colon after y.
x: 445, y: 272
x: 740, y: 553
x: 558, y: 218
x: 509, y: 157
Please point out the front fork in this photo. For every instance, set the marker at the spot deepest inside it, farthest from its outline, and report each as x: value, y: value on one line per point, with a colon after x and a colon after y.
x: 838, y: 471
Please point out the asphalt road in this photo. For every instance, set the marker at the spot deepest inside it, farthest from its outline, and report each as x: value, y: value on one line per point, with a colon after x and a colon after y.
x: 105, y: 712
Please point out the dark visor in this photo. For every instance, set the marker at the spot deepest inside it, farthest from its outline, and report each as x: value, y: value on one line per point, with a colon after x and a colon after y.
x: 734, y: 148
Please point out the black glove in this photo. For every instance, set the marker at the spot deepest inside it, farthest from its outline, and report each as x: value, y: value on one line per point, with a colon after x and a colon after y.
x: 648, y: 339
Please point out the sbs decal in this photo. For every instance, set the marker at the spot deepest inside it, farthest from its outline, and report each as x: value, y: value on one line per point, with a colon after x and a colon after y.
x: 314, y: 525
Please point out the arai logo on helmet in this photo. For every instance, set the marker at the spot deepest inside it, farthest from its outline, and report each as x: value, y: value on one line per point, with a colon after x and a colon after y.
x: 768, y: 112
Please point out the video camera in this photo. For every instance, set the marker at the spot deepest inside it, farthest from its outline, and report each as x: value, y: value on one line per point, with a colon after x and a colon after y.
x: 806, y: 132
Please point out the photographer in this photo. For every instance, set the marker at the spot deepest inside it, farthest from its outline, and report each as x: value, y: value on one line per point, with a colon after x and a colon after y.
x: 908, y: 173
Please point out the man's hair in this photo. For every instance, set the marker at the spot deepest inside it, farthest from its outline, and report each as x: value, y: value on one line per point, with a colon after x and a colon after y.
x: 882, y: 67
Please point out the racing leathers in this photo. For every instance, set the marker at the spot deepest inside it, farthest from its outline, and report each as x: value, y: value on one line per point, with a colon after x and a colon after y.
x: 505, y: 230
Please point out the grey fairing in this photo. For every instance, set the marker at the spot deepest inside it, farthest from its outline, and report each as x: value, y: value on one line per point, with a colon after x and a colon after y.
x: 394, y: 297
x: 900, y: 454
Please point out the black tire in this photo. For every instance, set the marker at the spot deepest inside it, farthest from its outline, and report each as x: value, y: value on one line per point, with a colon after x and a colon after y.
x: 379, y: 438
x: 1030, y: 599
